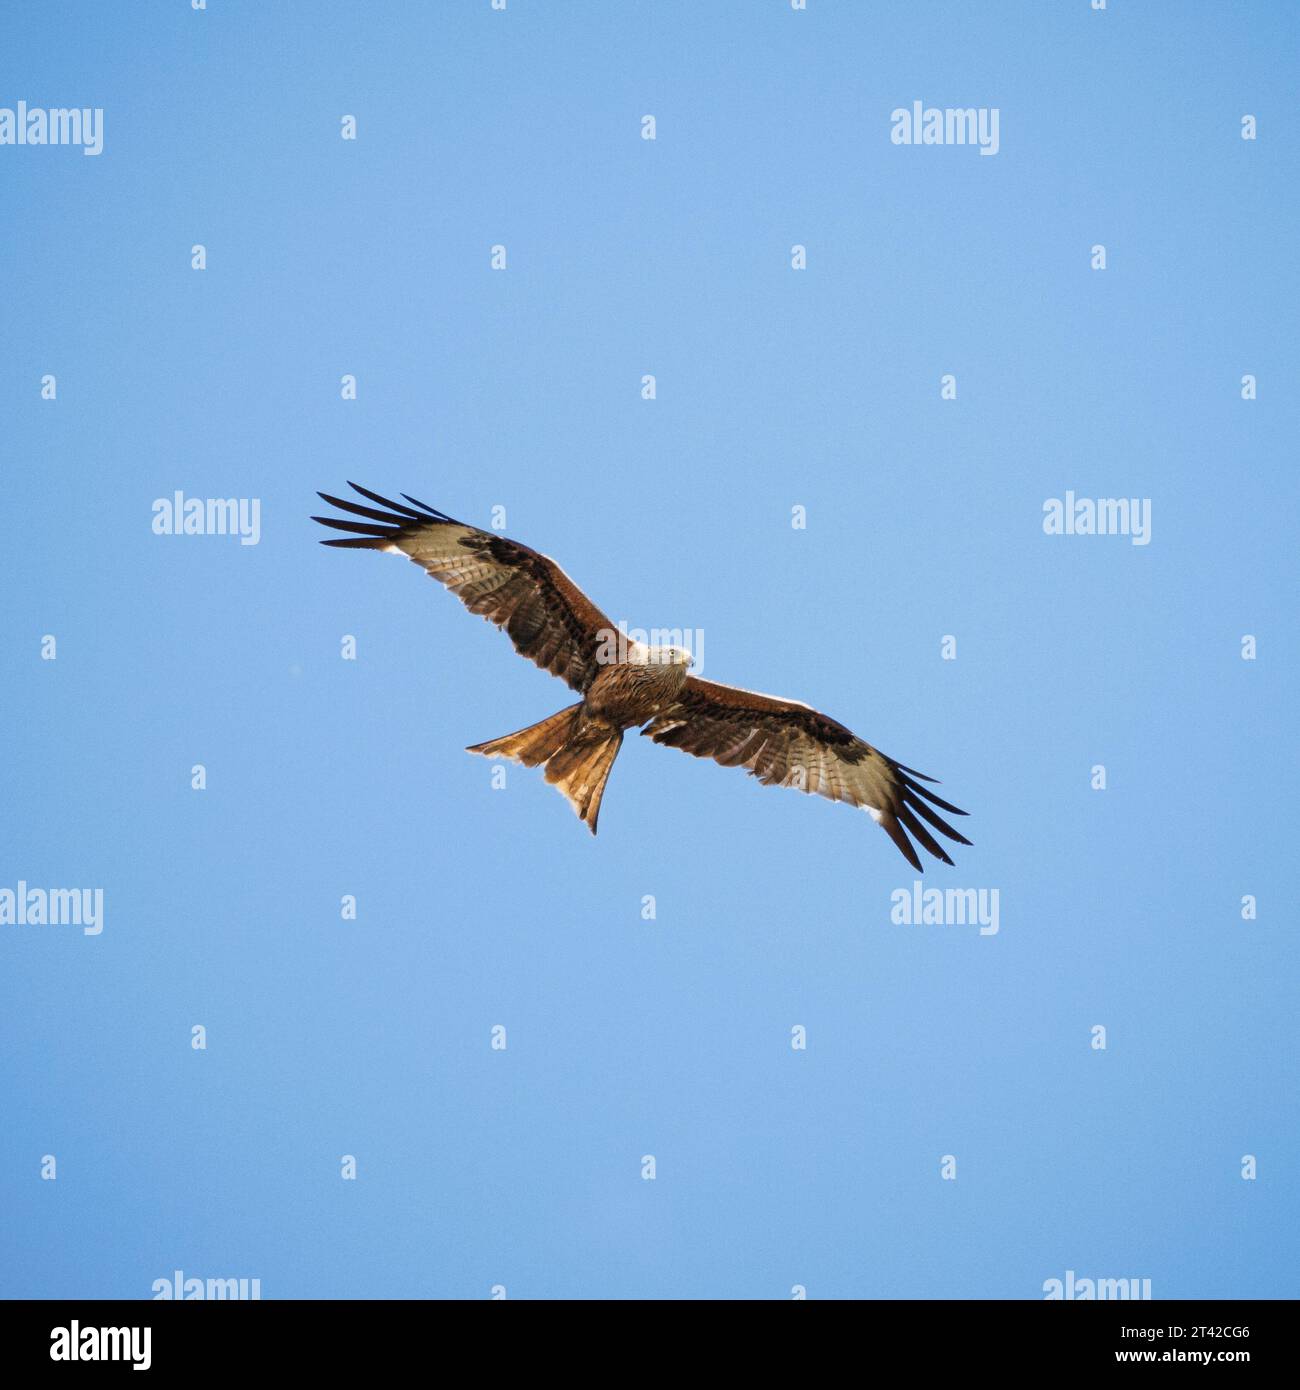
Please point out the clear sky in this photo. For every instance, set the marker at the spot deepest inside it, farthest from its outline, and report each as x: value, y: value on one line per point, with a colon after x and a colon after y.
x: 776, y: 389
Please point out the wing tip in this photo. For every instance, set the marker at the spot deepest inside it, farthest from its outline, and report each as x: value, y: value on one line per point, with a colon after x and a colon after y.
x: 888, y: 822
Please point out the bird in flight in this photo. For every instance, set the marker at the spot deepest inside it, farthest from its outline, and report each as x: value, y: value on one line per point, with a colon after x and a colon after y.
x: 625, y: 684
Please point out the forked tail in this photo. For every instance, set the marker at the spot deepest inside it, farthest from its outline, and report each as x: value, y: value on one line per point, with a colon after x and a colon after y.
x: 577, y: 752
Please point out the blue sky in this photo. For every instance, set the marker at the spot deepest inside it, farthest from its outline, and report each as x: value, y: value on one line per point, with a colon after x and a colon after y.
x: 776, y: 388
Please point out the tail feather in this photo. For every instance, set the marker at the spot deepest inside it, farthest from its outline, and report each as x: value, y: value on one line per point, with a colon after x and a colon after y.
x: 577, y: 755
x: 581, y: 768
x: 536, y: 743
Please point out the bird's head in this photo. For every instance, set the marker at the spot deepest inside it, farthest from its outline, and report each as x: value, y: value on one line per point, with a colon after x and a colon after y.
x: 643, y: 654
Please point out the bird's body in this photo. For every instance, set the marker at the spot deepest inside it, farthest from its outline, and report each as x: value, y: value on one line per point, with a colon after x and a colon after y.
x: 634, y: 690
x: 627, y: 685
x: 579, y: 744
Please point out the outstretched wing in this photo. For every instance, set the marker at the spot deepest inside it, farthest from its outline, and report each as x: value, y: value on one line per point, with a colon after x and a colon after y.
x: 548, y: 618
x: 786, y: 744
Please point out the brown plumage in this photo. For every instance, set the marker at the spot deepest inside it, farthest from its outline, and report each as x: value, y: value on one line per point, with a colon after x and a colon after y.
x: 624, y: 685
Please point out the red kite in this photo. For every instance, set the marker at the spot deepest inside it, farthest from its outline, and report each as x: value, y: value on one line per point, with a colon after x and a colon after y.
x: 626, y: 684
